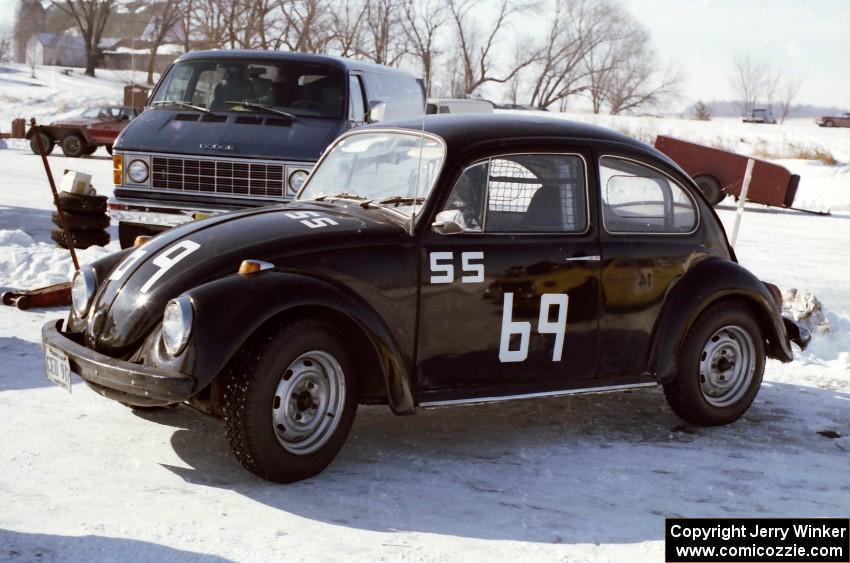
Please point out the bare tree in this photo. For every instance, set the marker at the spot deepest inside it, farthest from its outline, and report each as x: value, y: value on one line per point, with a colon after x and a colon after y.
x: 5, y: 47
x: 29, y: 20
x: 422, y: 23
x: 346, y: 26
x: 701, y: 111
x: 90, y: 17
x: 475, y: 50
x: 308, y: 25
x: 787, y: 94
x: 577, y: 29
x: 384, y: 40
x: 752, y: 80
x: 32, y: 56
x: 638, y: 82
x: 167, y: 16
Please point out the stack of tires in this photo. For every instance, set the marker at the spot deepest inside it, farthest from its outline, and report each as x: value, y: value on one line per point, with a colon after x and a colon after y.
x: 86, y: 219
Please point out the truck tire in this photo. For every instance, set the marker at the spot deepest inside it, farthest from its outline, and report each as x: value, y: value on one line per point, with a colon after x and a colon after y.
x: 109, y: 149
x: 46, y: 141
x: 90, y: 150
x: 721, y: 365
x: 81, y: 239
x: 74, y: 145
x: 710, y: 188
x: 82, y: 222
x: 289, y: 401
x: 82, y: 204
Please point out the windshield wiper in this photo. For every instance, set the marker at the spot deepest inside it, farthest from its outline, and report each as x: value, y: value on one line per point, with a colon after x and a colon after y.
x: 181, y: 104
x: 341, y: 195
x: 263, y: 107
x: 398, y: 199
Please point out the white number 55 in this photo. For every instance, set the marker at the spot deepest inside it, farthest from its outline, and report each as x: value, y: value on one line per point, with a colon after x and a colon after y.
x: 510, y: 327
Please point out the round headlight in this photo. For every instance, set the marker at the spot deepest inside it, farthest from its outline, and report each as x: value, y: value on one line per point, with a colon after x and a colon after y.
x: 83, y: 288
x: 297, y: 179
x: 177, y: 325
x: 137, y: 170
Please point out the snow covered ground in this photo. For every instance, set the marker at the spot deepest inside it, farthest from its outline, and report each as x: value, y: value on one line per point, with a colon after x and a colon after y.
x: 568, y: 479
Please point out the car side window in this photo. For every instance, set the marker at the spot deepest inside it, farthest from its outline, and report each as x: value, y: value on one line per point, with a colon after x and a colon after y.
x: 356, y: 107
x: 526, y: 193
x: 640, y: 199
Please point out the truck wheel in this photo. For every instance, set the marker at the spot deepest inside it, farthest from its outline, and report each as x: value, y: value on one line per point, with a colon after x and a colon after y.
x: 46, y: 142
x: 710, y: 188
x: 74, y: 145
x: 81, y: 239
x: 82, y: 222
x: 82, y: 204
x: 109, y: 149
x: 289, y: 401
x: 829, y: 123
x: 721, y: 365
x: 90, y: 150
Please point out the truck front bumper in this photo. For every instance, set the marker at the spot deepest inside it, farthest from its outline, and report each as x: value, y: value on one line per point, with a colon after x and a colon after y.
x: 157, y: 213
x: 122, y: 381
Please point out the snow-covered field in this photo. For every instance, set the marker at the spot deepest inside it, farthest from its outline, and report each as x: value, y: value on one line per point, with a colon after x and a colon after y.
x: 569, y: 479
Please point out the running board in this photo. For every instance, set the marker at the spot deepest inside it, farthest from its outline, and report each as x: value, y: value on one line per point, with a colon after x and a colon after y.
x: 581, y: 391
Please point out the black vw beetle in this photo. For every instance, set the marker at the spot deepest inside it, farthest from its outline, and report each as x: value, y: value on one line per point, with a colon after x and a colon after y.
x: 460, y: 260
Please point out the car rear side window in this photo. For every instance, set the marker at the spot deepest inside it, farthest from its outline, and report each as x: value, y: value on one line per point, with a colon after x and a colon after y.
x: 640, y: 199
x: 525, y: 193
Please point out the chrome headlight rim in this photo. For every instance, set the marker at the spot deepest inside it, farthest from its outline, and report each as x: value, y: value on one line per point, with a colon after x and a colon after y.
x: 177, y: 325
x: 145, y: 174
x: 297, y: 179
x: 82, y: 294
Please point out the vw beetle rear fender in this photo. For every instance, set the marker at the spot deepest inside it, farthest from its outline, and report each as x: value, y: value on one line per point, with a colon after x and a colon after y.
x: 706, y: 283
x: 221, y: 328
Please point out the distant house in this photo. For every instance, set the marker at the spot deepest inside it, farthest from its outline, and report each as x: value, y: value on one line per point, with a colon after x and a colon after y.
x: 62, y: 49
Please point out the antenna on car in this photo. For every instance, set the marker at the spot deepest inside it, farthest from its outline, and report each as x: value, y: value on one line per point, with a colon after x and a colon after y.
x: 421, y: 148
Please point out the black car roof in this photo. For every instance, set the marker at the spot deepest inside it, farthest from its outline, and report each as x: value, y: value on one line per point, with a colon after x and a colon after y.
x: 461, y: 131
x: 336, y: 62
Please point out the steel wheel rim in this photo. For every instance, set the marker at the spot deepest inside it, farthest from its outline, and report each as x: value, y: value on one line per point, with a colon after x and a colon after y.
x: 727, y: 365
x: 308, y: 402
x: 74, y: 145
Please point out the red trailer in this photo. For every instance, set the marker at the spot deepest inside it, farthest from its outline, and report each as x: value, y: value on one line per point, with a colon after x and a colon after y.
x: 719, y: 173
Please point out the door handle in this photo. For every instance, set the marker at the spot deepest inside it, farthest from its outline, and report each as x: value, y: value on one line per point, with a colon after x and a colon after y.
x: 594, y: 258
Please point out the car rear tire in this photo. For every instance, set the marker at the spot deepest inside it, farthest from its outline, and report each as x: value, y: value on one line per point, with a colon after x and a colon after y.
x: 721, y: 365
x: 710, y: 188
x: 46, y: 142
x: 74, y: 145
x: 82, y: 222
x: 289, y: 401
x: 82, y: 204
x: 81, y: 239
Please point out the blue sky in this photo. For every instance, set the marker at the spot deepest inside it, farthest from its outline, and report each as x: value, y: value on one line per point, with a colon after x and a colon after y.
x: 805, y: 38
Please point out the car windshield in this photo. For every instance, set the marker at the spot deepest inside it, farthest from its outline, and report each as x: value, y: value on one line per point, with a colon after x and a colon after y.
x: 382, y: 168
x: 275, y: 87
x: 100, y: 112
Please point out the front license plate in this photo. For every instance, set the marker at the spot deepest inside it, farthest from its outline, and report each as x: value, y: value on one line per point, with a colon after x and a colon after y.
x: 57, y: 367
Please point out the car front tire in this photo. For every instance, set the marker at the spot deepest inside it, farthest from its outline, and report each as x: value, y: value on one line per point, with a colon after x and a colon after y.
x: 721, y: 365
x: 289, y: 401
x: 74, y: 146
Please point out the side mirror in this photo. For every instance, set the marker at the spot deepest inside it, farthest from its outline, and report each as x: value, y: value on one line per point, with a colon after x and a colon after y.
x: 377, y: 111
x: 449, y: 222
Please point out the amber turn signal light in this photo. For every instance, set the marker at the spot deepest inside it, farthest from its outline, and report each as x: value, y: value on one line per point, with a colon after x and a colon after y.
x: 248, y: 267
x: 117, y: 169
x: 140, y: 240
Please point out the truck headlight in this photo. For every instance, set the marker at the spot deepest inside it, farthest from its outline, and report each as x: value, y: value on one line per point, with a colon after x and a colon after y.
x: 83, y: 288
x: 297, y: 179
x: 177, y: 325
x: 137, y: 170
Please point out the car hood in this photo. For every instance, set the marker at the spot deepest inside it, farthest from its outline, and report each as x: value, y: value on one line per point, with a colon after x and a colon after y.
x: 131, y: 301
x: 231, y: 135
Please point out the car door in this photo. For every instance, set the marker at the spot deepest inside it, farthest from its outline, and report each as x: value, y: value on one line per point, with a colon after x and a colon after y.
x: 509, y: 303
x: 650, y: 238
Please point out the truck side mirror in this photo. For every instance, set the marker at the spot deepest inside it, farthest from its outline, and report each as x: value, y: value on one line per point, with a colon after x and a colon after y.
x: 449, y: 222
x: 377, y: 111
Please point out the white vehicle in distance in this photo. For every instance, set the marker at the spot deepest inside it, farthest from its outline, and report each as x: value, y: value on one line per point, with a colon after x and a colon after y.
x: 458, y: 105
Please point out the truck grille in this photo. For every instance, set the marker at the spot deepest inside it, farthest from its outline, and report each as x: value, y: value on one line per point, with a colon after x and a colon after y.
x: 218, y: 177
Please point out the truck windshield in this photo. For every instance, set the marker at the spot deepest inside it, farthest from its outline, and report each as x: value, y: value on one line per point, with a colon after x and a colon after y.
x: 291, y: 87
x: 382, y: 168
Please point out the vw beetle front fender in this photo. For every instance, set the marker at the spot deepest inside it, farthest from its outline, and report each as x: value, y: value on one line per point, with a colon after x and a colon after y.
x: 230, y: 310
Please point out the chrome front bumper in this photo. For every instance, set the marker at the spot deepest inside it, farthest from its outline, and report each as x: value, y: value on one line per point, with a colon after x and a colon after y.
x: 153, y: 212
